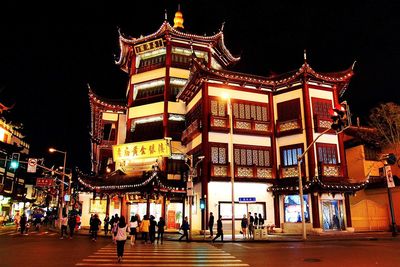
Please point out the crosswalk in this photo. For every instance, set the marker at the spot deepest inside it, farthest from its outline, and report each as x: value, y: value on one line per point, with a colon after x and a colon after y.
x: 33, y: 233
x: 169, y: 254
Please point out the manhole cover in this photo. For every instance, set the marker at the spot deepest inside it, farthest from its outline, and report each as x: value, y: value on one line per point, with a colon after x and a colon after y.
x: 312, y: 260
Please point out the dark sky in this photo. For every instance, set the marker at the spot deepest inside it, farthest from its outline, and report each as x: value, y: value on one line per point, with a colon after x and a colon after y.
x: 48, y: 53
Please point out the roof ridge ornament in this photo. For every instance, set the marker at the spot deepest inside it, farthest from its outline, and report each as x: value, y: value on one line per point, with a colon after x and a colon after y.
x: 222, y: 26
x: 165, y: 15
x: 354, y: 63
x: 178, y: 20
x: 305, y: 55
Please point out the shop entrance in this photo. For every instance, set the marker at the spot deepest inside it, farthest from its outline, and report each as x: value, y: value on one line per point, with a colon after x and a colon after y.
x: 174, y: 214
x: 332, y: 215
x: 140, y: 208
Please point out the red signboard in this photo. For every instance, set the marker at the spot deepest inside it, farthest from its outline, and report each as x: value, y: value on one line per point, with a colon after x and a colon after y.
x: 44, y: 182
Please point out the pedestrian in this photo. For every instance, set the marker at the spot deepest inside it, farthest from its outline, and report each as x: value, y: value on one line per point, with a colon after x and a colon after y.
x: 244, y: 226
x: 90, y: 224
x: 185, y: 228
x: 95, y: 224
x: 144, y: 228
x: 160, y: 230
x: 114, y: 229
x: 23, y: 223
x: 121, y: 237
x: 255, y: 221
x: 152, y: 229
x: 17, y: 219
x: 250, y: 226
x: 106, y: 224
x: 64, y: 223
x: 71, y: 223
x: 260, y: 221
x: 211, y: 224
x: 133, y: 225
x: 220, y: 232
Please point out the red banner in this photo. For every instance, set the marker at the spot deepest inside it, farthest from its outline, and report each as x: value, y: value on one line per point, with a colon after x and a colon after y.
x: 44, y: 182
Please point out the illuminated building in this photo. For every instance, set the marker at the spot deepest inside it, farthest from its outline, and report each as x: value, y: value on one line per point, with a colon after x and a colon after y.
x: 176, y: 83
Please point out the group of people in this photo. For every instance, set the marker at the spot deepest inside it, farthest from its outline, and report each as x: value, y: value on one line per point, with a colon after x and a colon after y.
x: 23, y: 223
x: 220, y: 232
x: 70, y: 221
x: 250, y: 223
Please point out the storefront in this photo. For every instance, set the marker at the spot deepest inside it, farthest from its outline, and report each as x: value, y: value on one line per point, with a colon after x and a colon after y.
x: 332, y: 212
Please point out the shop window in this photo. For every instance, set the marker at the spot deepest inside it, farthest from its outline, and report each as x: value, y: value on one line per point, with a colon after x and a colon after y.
x: 321, y: 108
x: 252, y: 156
x: 249, y: 111
x: 327, y: 153
x: 219, y: 154
x: 218, y: 108
x: 289, y: 110
x: 225, y: 210
x: 292, y: 208
x: 289, y: 154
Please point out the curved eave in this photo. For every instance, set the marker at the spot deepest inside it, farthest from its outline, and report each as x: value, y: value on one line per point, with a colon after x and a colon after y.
x: 107, y: 103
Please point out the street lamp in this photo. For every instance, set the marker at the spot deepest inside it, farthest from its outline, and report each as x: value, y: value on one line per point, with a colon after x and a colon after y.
x: 230, y: 149
x: 62, y: 184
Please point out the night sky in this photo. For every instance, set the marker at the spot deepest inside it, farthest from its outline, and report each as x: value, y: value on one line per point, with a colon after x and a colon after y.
x: 49, y: 53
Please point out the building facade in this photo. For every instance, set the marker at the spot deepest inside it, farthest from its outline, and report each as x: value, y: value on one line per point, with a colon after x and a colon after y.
x: 177, y: 82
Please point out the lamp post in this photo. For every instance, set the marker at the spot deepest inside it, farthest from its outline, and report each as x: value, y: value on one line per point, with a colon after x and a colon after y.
x: 232, y: 171
x: 62, y: 184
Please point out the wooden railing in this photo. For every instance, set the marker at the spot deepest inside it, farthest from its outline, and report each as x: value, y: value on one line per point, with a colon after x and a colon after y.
x: 151, y: 67
x: 288, y: 127
x: 330, y: 170
x: 290, y: 171
x: 243, y: 125
x: 219, y: 122
x: 320, y: 123
x: 193, y: 129
x: 219, y: 170
x: 253, y: 172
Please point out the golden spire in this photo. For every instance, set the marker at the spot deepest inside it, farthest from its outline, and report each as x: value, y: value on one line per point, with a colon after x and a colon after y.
x: 178, y: 20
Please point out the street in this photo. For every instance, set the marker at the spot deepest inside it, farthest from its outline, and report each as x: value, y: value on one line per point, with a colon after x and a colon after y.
x: 46, y: 249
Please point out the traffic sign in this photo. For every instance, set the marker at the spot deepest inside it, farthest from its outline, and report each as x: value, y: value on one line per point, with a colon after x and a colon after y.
x: 32, y: 163
x: 389, y: 177
x: 247, y: 199
x: 44, y: 182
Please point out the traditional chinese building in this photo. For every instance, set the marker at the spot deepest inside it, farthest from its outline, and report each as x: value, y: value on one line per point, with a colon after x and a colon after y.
x: 174, y: 101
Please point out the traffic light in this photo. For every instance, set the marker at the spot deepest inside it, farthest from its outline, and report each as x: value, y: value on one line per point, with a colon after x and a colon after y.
x: 14, y: 161
x: 202, y: 203
x: 340, y: 116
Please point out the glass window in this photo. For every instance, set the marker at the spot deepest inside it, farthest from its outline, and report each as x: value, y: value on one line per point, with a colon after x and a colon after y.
x: 289, y: 110
x: 327, y: 153
x: 321, y: 108
x: 225, y: 209
x: 289, y: 155
x: 293, y: 209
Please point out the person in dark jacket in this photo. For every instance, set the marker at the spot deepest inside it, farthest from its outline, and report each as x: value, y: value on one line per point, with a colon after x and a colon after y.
x: 220, y: 233
x: 211, y: 224
x: 106, y: 224
x: 71, y: 224
x: 22, y: 223
x: 152, y: 229
x: 94, y: 225
x: 160, y: 230
x: 185, y: 227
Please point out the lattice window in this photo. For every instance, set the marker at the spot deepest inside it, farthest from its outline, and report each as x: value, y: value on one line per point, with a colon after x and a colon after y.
x: 327, y: 153
x: 252, y: 156
x: 321, y: 108
x: 217, y: 108
x: 289, y: 155
x: 218, y: 154
x: 250, y: 111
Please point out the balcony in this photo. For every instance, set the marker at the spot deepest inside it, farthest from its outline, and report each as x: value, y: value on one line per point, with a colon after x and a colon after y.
x: 330, y: 172
x: 219, y: 170
x: 321, y: 123
x: 251, y: 126
x: 219, y: 123
x: 151, y: 67
x: 290, y: 171
x: 190, y: 131
x: 253, y: 172
x: 288, y: 127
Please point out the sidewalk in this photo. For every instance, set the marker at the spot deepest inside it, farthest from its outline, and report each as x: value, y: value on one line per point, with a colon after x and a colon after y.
x: 276, y: 237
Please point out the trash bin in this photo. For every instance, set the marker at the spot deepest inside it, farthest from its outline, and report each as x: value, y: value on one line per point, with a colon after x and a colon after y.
x: 264, y: 233
x: 257, y: 234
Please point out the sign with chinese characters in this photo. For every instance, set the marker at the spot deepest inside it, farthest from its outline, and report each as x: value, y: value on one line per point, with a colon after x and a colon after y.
x: 141, y: 150
x: 149, y: 46
x: 44, y: 182
x: 247, y: 199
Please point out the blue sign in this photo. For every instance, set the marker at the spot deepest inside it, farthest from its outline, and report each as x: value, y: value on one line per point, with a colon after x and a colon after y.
x: 247, y: 199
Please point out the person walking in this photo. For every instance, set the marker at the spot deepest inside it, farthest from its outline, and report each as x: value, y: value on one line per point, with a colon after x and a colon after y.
x: 133, y: 224
x: 152, y: 229
x: 220, y: 232
x: 114, y: 229
x: 185, y: 228
x: 160, y: 230
x: 211, y: 224
x: 121, y: 237
x: 64, y: 224
x: 244, y: 226
x: 106, y: 224
x: 250, y: 225
x: 17, y: 219
x: 72, y: 223
x: 22, y: 223
x: 144, y: 228
x: 95, y: 224
x: 260, y: 221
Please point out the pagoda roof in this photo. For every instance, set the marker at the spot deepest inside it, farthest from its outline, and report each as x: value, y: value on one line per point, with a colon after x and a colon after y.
x: 114, y: 104
x: 215, y: 41
x: 200, y: 72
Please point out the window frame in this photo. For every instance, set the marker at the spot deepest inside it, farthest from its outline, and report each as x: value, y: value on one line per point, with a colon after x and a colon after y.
x: 253, y: 149
x: 219, y: 145
x: 319, y: 146
x: 282, y: 149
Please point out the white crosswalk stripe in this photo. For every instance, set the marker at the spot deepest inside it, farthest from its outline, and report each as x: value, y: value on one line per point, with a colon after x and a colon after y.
x: 34, y: 233
x: 170, y: 254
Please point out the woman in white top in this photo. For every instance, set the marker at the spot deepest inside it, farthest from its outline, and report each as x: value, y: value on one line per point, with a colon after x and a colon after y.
x: 133, y: 224
x: 120, y: 237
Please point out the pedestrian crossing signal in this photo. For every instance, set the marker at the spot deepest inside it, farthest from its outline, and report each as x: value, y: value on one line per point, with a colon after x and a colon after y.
x: 202, y: 203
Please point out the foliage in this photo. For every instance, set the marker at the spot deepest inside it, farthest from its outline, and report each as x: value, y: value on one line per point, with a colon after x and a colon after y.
x: 385, y: 118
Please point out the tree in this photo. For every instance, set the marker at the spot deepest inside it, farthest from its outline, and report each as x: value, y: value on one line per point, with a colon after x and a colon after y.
x: 385, y: 118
